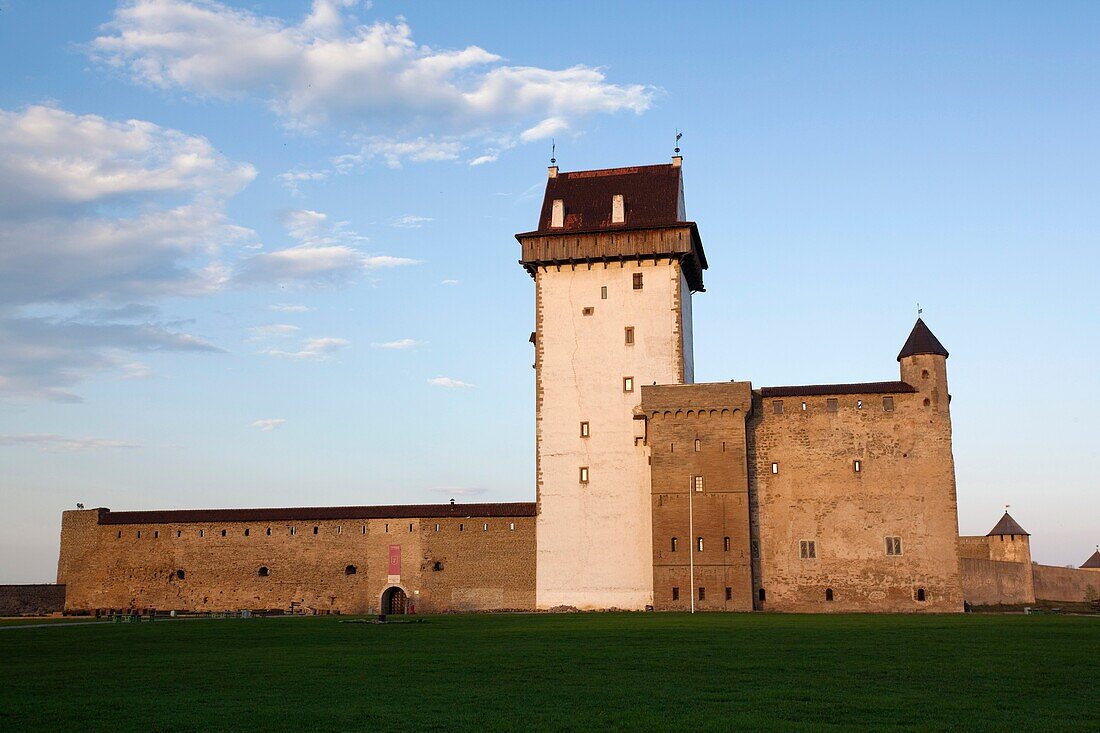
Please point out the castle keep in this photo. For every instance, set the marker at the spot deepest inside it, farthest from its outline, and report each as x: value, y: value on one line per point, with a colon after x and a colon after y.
x: 652, y: 491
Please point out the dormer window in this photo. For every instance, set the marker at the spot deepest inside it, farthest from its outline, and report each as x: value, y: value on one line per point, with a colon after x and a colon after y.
x: 557, y: 215
x: 618, y: 213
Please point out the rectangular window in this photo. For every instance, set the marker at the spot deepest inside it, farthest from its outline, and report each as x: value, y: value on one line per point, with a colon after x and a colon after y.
x: 726, y: 544
x: 893, y: 545
x: 754, y: 549
x: 775, y: 468
x: 410, y: 528
x: 699, y: 544
x: 807, y: 549
x: 628, y: 384
x: 729, y: 593
x: 557, y: 214
x: 859, y: 404
x: 485, y: 527
x: 857, y: 466
x: 246, y: 531
x: 805, y: 407
x: 338, y: 529
x: 637, y: 281
x: 603, y: 292
x: 364, y: 530
x: 629, y: 335
x: 777, y: 407
x: 315, y: 530
x: 832, y: 404
x: 511, y: 526
x: 618, y: 213
x: 269, y: 531
x: 887, y: 404
x: 139, y: 534
x: 675, y: 594
x: 584, y: 474
x: 702, y: 594
x: 202, y: 533
x: 178, y: 533
x: 587, y: 310
x: 698, y: 445
x: 697, y: 483
x: 584, y: 429
x: 293, y: 530
x: 437, y: 526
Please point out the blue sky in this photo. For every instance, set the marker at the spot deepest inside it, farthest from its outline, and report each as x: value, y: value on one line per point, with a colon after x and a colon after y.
x: 263, y: 254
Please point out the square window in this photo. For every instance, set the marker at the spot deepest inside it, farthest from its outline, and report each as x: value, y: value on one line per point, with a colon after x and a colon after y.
x: 603, y: 293
x: 584, y: 429
x: 697, y: 482
x: 832, y: 404
x: 807, y: 549
x: 775, y: 468
x: 777, y: 407
x: 637, y: 281
x: 887, y: 404
x: 628, y: 384
x: 629, y: 335
x: 584, y: 474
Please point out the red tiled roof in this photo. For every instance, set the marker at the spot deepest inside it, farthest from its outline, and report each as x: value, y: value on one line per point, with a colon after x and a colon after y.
x: 921, y: 341
x: 814, y: 390
x: 651, y: 198
x: 397, y: 511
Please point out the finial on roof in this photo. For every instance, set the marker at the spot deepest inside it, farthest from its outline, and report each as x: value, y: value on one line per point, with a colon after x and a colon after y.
x: 678, y: 136
x: 553, y: 151
x: 921, y: 341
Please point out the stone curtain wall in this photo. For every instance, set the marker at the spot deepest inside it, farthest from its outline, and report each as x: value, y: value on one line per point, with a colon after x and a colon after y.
x: 31, y: 600
x: 1066, y: 584
x: 113, y: 566
x: 995, y: 582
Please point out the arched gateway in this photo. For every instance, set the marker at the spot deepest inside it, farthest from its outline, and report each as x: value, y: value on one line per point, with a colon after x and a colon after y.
x: 394, y: 600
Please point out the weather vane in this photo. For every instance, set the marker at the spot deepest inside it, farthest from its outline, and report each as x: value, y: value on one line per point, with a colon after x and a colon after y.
x: 919, y: 310
x: 678, y: 136
x: 553, y: 151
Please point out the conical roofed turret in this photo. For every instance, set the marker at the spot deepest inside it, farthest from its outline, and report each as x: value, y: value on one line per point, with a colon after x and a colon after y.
x: 1007, y: 526
x: 1093, y: 563
x: 922, y: 341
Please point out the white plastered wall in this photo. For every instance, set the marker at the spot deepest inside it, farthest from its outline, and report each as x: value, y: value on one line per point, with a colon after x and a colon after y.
x: 594, y: 540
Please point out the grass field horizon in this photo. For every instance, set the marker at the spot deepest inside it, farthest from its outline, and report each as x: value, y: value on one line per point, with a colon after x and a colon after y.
x: 607, y: 671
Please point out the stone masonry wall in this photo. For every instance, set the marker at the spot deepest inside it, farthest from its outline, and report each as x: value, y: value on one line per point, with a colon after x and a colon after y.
x: 137, y: 565
x: 1066, y: 584
x: 699, y: 431
x: 905, y: 488
x: 995, y: 582
x: 31, y: 600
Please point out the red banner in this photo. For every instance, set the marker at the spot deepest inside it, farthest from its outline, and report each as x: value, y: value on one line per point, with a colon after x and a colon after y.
x: 395, y: 560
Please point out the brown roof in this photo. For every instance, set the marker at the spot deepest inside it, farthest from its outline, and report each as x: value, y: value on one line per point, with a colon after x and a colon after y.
x: 813, y: 390
x: 651, y: 198
x: 397, y: 511
x: 921, y: 341
x: 1007, y: 525
x: 1094, y: 561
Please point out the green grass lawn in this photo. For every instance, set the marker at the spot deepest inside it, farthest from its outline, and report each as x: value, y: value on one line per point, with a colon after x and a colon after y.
x: 595, y: 672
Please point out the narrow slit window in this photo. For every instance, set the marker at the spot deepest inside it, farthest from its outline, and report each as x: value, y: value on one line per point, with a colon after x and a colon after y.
x: 628, y: 384
x: 729, y: 593
x: 857, y: 466
x: 202, y: 533
x: 293, y: 530
x: 410, y: 528
x: 156, y: 534
x: 178, y: 533
x: 584, y: 474
x: 805, y: 407
x: 584, y: 429
x: 511, y: 526
x: 859, y: 404
x: 628, y: 335
x: 673, y: 544
x: 675, y: 594
x: 223, y: 533
x: 437, y: 526
x: 775, y: 467
x: 699, y: 544
x: 139, y: 534
x: 603, y: 292
x: 726, y: 544
x: 637, y: 281
x: 485, y: 527
x: 269, y: 531
x: 315, y: 530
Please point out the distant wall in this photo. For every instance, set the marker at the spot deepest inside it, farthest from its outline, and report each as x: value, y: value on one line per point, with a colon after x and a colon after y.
x: 993, y: 582
x: 31, y: 600
x: 1066, y: 584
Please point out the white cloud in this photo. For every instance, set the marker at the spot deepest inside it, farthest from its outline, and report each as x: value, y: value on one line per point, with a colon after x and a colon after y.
x: 292, y: 179
x: 327, y: 70
x: 136, y: 370
x: 289, y: 308
x: 52, y: 442
x: 314, y: 349
x: 449, y: 383
x: 268, y: 424
x: 325, y: 253
x: 449, y: 282
x: 399, y: 344
x: 410, y: 221
x: 483, y: 159
x: 272, y: 330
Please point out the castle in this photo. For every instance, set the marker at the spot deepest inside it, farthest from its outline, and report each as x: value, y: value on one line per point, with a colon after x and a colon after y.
x: 652, y: 491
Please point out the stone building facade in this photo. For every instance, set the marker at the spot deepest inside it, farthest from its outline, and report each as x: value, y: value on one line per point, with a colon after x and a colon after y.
x: 652, y: 491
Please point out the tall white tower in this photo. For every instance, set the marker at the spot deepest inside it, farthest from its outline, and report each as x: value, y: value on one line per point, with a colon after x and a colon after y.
x: 615, y: 263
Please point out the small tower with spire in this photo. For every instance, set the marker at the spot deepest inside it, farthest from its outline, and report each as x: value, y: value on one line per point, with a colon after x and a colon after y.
x: 923, y: 361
